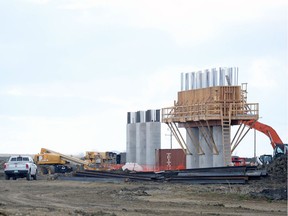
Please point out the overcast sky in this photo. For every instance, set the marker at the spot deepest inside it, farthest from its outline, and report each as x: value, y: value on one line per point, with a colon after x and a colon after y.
x: 72, y: 69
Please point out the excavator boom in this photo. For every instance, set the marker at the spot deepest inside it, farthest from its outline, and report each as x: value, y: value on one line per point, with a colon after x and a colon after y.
x: 267, y: 130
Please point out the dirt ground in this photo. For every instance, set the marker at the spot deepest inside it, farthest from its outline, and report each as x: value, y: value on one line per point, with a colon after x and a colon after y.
x: 62, y: 197
x: 53, y: 196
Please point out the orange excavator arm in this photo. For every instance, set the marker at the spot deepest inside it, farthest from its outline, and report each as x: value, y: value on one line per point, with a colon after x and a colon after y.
x: 266, y: 129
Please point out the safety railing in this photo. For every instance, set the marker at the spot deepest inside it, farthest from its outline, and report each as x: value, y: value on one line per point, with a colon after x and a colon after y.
x: 210, y: 111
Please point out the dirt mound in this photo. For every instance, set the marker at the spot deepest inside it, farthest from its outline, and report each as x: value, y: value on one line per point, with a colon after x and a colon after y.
x: 2, y: 170
x: 274, y: 186
x: 2, y: 164
x: 277, y: 170
x: 272, y: 194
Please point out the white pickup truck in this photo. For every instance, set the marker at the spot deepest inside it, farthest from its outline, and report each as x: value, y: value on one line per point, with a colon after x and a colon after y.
x: 20, y: 167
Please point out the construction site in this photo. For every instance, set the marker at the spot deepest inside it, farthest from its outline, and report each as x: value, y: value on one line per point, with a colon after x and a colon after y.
x: 200, y: 176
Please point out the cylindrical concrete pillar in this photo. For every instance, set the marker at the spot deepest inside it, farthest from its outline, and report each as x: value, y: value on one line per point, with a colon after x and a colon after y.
x: 192, y: 161
x: 141, y: 143
x: 205, y: 160
x: 218, y: 160
x: 131, y: 143
x: 153, y: 142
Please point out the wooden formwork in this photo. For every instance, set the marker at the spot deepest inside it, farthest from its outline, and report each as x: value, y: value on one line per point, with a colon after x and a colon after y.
x: 213, y: 103
x: 227, y: 94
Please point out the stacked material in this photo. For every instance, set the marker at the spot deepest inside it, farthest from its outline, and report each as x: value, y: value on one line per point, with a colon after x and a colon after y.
x: 218, y: 175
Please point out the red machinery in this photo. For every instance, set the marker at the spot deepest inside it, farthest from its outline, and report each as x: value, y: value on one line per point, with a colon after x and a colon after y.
x: 279, y: 147
x: 238, y: 161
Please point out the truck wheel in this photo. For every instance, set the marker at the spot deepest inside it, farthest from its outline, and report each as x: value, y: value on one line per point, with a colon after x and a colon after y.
x: 28, y: 176
x: 51, y: 170
x: 7, y: 177
x: 43, y: 170
x: 35, y: 176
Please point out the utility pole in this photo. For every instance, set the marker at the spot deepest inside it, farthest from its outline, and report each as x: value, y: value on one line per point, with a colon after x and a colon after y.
x: 171, y: 139
x: 255, y: 145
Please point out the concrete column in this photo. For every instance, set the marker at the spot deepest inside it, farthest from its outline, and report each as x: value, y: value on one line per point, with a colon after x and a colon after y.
x: 192, y: 161
x: 153, y: 142
x: 205, y: 160
x: 131, y: 143
x: 218, y: 160
x: 141, y: 143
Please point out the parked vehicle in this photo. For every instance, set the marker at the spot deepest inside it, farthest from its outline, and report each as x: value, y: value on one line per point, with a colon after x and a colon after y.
x: 20, y: 167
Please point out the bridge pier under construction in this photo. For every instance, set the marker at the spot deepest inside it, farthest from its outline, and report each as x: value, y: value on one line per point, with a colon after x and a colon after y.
x: 208, y: 105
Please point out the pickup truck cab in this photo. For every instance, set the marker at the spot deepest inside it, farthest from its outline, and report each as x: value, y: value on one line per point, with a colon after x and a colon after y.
x: 20, y: 167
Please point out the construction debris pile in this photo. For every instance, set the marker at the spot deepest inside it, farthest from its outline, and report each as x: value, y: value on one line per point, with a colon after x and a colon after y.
x: 2, y: 163
x: 277, y: 170
x: 271, y: 194
x: 275, y: 185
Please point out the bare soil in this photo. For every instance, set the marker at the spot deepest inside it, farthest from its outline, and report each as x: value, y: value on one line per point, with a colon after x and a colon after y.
x: 62, y: 197
x: 50, y: 195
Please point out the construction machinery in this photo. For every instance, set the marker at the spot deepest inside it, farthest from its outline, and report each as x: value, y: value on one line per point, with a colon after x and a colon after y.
x: 51, y: 162
x: 102, y: 160
x: 279, y: 148
x: 238, y: 161
x: 266, y: 159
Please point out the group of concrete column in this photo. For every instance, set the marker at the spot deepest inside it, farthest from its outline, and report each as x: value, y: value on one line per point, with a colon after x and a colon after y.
x: 143, y: 137
x: 207, y: 159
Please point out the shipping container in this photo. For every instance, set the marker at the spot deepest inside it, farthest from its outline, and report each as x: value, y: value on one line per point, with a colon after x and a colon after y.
x: 170, y: 159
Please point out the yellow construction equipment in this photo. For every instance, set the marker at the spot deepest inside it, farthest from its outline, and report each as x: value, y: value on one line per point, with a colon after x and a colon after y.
x: 101, y: 157
x: 51, y: 162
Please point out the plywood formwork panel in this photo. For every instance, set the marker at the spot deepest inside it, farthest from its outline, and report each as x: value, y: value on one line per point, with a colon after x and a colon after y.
x: 209, y: 104
x: 212, y: 94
